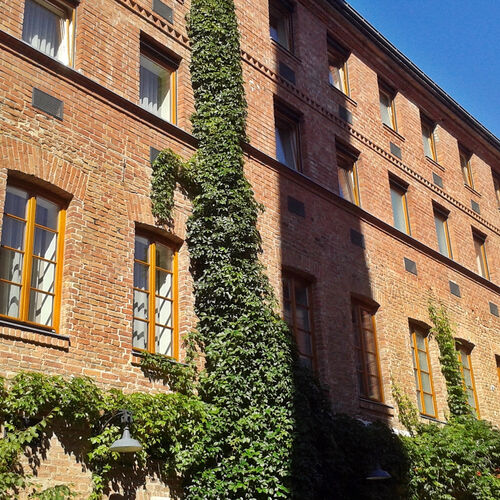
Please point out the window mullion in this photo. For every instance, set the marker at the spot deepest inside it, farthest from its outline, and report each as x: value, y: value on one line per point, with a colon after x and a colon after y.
x: 152, y: 298
x: 364, y: 366
x: 28, y: 258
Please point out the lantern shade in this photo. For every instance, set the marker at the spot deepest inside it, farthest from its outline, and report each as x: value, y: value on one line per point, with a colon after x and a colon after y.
x: 378, y: 474
x: 126, y: 444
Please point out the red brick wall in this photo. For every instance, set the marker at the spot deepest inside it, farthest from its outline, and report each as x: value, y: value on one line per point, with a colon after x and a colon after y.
x: 99, y: 154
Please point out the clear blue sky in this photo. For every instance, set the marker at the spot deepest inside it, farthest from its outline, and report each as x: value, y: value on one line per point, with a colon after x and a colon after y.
x: 455, y: 42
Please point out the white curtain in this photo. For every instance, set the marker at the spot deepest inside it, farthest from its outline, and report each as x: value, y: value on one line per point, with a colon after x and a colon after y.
x: 45, y: 30
x: 155, y: 88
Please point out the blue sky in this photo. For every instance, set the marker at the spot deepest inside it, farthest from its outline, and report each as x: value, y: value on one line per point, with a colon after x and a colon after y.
x: 455, y: 42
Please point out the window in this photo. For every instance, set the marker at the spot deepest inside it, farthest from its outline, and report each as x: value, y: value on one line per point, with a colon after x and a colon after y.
x: 280, y: 23
x: 155, y: 297
x: 49, y: 26
x: 158, y: 82
x: 428, y: 138
x: 464, y: 357
x: 297, y: 312
x: 287, y: 138
x: 367, y: 358
x: 387, y: 108
x: 399, y: 207
x: 348, y: 176
x: 426, y: 397
x: 30, y: 258
x: 480, y: 249
x: 337, y: 66
x: 496, y: 185
x: 497, y: 359
x: 442, y: 233
x: 465, y: 166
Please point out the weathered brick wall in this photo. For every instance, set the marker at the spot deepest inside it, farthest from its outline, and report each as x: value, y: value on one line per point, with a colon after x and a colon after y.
x: 99, y: 155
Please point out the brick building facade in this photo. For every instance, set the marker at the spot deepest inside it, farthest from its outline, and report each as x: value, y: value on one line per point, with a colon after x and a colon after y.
x: 380, y: 192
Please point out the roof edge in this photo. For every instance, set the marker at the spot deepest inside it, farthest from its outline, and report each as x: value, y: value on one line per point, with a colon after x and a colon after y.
x: 357, y: 20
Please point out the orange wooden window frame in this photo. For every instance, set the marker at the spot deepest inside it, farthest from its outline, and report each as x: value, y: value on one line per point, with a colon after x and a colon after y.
x: 390, y: 97
x: 466, y: 168
x: 345, y: 162
x: 292, y: 280
x: 27, y: 252
x: 284, y: 15
x: 151, y: 292
x: 394, y: 186
x: 461, y: 350
x: 418, y: 369
x: 68, y: 14
x: 357, y: 309
x: 480, y: 242
x: 173, y: 83
x: 441, y: 216
x: 428, y: 131
x: 496, y: 187
x: 339, y: 61
x: 497, y: 359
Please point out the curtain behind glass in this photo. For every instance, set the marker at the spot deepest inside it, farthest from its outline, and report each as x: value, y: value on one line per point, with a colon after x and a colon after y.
x: 43, y: 29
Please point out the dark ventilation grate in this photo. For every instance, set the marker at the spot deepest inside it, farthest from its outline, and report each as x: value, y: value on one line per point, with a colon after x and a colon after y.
x: 437, y: 180
x: 396, y: 151
x: 163, y: 10
x: 287, y: 72
x: 494, y: 309
x: 475, y: 206
x: 296, y: 207
x: 153, y: 154
x: 357, y: 238
x: 47, y: 103
x: 411, y: 266
x: 455, y: 289
x: 345, y: 114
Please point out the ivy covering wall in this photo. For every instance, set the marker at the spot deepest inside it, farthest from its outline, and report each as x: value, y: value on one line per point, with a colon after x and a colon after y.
x: 253, y: 424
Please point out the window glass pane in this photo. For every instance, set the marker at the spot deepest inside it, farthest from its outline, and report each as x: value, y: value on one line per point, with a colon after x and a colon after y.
x: 141, y: 276
x: 42, y: 28
x: 43, y: 275
x: 140, y: 334
x: 164, y: 257
x: 429, y: 404
x: 373, y: 388
x: 45, y: 244
x: 398, y: 210
x: 302, y: 318
x: 422, y: 360
x: 346, y: 184
x: 141, y: 304
x: 304, y: 343
x: 155, y: 88
x: 163, y: 341
x: 441, y: 234
x: 426, y: 139
x: 11, y: 265
x: 13, y: 233
x: 141, y: 249
x: 301, y: 295
x: 40, y: 310
x: 10, y: 297
x: 286, y: 145
x: 46, y: 213
x: 288, y: 313
x: 286, y: 289
x: 15, y: 202
x: 371, y: 364
x: 164, y: 284
x: 426, y: 382
x: 163, y: 312
x: 420, y: 341
x: 386, y: 109
x: 419, y: 400
x: 336, y: 76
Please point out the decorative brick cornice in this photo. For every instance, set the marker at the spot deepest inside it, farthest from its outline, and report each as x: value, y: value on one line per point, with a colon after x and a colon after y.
x: 362, y: 138
x: 156, y: 20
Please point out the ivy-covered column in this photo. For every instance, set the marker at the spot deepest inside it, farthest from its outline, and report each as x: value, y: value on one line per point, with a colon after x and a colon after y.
x: 248, y: 376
